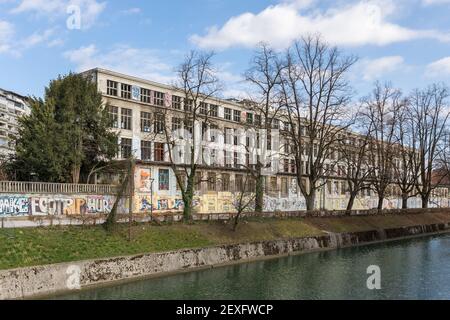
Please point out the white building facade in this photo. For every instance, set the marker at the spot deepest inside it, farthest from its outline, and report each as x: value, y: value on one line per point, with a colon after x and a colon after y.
x: 12, y: 106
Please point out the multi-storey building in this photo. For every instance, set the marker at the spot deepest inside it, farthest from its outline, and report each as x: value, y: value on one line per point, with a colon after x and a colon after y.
x: 140, y: 108
x: 12, y: 106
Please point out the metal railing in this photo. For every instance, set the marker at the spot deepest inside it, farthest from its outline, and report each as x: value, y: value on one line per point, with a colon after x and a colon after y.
x: 64, y: 188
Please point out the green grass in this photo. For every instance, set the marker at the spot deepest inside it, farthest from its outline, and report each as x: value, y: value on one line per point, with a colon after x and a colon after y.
x: 29, y: 247
x: 39, y: 246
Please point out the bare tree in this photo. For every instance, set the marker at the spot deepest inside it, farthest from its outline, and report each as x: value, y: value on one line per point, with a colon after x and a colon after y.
x: 198, y: 82
x: 244, y: 198
x: 355, y: 157
x: 405, y: 165
x: 264, y: 75
x: 429, y: 112
x: 315, y: 96
x: 381, y: 112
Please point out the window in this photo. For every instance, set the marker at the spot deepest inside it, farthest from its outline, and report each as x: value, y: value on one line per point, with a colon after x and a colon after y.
x: 189, y: 126
x: 250, y: 118
x: 176, y: 102
x: 113, y: 113
x: 159, y: 123
x: 258, y: 120
x: 198, y: 181
x: 251, y: 184
x: 125, y: 148
x: 286, y: 166
x: 159, y: 152
x: 163, y: 179
x: 213, y: 131
x: 146, y: 95
x: 227, y: 114
x: 236, y: 137
x: 126, y: 116
x: 273, y: 184
x: 227, y: 136
x: 225, y: 182
x: 293, y: 166
x: 238, y: 182
x: 188, y: 105
x: 213, y: 110
x: 126, y: 91
x: 177, y: 124
x: 236, y: 160
x: 302, y: 131
x: 286, y: 147
x: 203, y: 108
x: 146, y: 150
x: 146, y: 121
x: 111, y: 88
x: 227, y: 158
x: 211, y: 181
x: 237, y: 115
x: 204, y: 131
x: 276, y: 124
x: 158, y: 98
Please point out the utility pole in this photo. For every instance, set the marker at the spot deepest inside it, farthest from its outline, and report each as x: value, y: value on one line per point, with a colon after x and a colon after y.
x: 131, y: 194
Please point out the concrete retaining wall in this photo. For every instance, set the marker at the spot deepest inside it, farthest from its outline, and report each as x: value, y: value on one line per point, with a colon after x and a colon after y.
x: 46, y: 280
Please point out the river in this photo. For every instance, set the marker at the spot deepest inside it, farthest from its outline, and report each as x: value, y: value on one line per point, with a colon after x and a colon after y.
x: 410, y: 269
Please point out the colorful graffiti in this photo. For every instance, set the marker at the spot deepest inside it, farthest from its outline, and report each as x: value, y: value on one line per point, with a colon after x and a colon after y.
x: 14, y: 205
x: 57, y: 205
x: 284, y: 204
x: 163, y: 204
x: 144, y: 180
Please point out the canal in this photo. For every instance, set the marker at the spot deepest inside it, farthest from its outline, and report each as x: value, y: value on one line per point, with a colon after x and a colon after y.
x: 410, y: 269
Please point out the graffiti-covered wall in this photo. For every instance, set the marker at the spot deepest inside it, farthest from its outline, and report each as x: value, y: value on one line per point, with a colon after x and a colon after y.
x: 53, y: 204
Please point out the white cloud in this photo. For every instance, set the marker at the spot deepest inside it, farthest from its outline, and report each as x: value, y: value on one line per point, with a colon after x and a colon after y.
x: 12, y: 45
x: 434, y: 2
x: 131, y: 11
x: 144, y: 63
x: 36, y: 38
x: 438, y: 68
x: 90, y: 9
x: 356, y: 24
x: 376, y: 68
x: 6, y: 35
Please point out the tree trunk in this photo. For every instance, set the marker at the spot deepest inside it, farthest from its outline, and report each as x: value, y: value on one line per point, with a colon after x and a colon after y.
x: 111, y: 218
x: 310, y: 200
x: 425, y: 199
x: 380, y: 202
x: 259, y: 192
x: 236, y: 221
x: 351, y: 201
x: 188, y: 196
x: 76, y: 168
x: 404, y: 201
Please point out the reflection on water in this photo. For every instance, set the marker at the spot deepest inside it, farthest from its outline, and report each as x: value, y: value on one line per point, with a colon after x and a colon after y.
x: 410, y: 269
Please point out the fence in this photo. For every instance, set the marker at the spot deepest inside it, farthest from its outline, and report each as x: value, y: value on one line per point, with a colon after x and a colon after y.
x: 56, y: 188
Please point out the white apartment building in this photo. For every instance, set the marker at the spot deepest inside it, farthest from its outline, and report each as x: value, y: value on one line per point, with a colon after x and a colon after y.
x: 12, y: 106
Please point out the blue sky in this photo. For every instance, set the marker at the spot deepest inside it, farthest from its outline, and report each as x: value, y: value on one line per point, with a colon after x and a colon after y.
x: 406, y: 42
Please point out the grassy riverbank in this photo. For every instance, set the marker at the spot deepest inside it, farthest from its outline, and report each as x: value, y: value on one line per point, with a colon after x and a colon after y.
x: 29, y: 247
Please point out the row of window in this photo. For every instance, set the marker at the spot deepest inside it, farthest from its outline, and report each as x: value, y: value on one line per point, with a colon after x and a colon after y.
x: 213, y: 182
x: 126, y: 150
